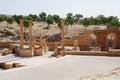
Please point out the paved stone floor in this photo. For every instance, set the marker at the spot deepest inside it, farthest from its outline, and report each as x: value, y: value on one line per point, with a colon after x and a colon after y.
x: 64, y: 68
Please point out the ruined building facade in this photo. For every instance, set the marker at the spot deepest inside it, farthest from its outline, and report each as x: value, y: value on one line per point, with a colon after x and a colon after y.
x: 105, y: 39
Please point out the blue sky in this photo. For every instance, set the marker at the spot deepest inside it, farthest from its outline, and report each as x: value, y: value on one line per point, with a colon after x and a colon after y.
x: 61, y: 7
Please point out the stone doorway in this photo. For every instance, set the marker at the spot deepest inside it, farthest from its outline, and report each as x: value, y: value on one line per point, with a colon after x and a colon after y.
x: 111, y: 40
x: 92, y: 41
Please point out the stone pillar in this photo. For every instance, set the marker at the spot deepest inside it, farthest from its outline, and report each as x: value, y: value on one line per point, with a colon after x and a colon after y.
x: 45, y: 46
x: 21, y: 35
x: 76, y: 47
x: 30, y: 34
x: 56, y: 49
x: 62, y: 34
x: 75, y: 43
x: 41, y: 40
x: 33, y: 41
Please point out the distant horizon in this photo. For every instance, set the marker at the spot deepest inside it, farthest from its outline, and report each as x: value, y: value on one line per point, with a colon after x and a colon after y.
x: 87, y: 8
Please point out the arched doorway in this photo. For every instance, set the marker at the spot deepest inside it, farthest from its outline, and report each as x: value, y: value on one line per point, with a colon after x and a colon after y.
x: 92, y: 40
x: 111, y: 40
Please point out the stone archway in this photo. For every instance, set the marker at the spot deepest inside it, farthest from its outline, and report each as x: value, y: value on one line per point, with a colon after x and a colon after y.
x: 112, y: 37
x: 92, y: 40
x: 111, y: 40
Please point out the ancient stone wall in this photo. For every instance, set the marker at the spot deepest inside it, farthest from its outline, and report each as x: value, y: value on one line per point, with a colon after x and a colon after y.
x: 100, y: 38
x: 84, y: 39
x: 68, y: 42
x: 116, y: 32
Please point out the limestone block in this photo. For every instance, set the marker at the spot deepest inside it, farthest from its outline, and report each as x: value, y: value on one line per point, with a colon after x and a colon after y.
x: 75, y: 43
x: 16, y: 50
x: 38, y: 51
x: 47, y: 48
x: 26, y: 53
x: 76, y: 48
x: 8, y: 66
x: 6, y: 51
x: 55, y: 52
x: 16, y: 65
x: 12, y: 46
x: 2, y: 64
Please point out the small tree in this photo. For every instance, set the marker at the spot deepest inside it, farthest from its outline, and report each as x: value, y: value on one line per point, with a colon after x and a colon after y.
x: 26, y: 24
x: 9, y: 21
x: 56, y: 18
x: 69, y: 19
x: 3, y: 18
x: 85, y: 22
x: 33, y: 17
x: 42, y: 16
x: 49, y: 20
x: 77, y: 18
x: 18, y: 18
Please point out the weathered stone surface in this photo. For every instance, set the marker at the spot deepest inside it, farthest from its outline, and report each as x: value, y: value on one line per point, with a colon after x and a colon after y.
x: 114, y: 52
x: 38, y: 51
x: 41, y: 42
x: 30, y: 35
x: 16, y: 65
x: 2, y: 64
x: 21, y: 35
x: 53, y: 38
x: 56, y: 49
x: 8, y: 66
x: 76, y: 48
x: 62, y: 34
x: 6, y: 51
x: 94, y: 53
x: 12, y: 46
x: 26, y: 53
x: 11, y: 33
x: 46, y: 48
x: 16, y: 50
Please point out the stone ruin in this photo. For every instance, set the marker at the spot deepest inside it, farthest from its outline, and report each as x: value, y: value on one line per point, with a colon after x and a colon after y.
x: 32, y: 49
x: 5, y: 66
x: 89, y: 42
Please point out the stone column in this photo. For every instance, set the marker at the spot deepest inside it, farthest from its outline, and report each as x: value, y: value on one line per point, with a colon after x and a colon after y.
x: 21, y: 35
x: 75, y: 43
x: 76, y: 47
x: 45, y: 46
x: 41, y: 40
x: 30, y: 34
x: 56, y: 49
x: 33, y: 41
x: 62, y: 34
